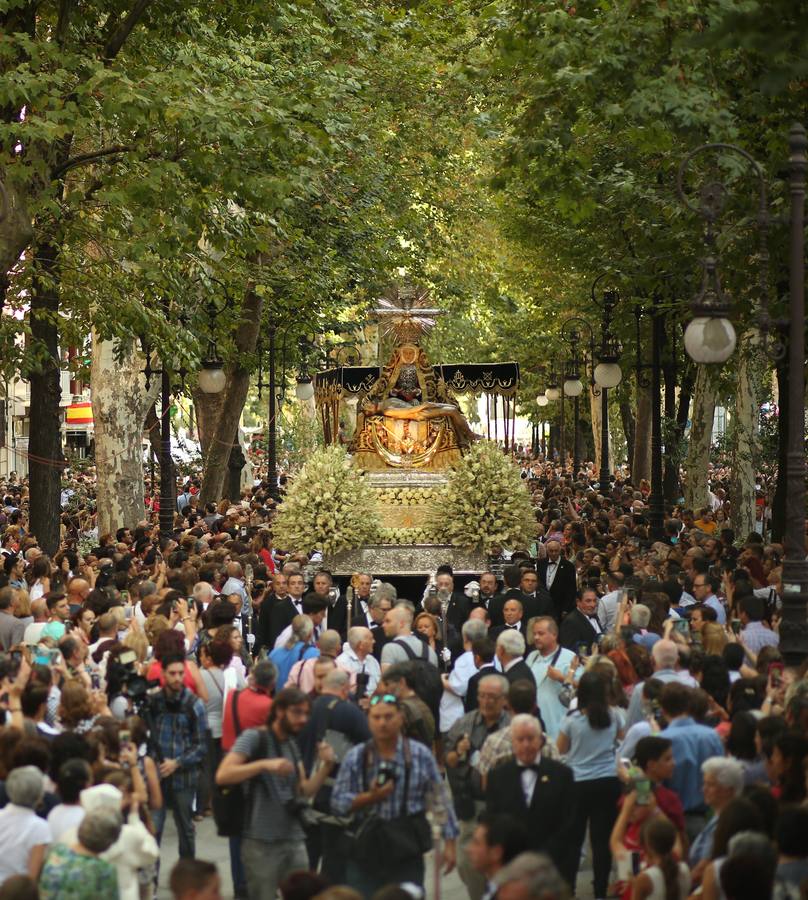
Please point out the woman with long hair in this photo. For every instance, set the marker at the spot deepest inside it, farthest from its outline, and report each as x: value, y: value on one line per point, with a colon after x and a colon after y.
x: 38, y: 577
x: 298, y: 647
x: 587, y: 741
x: 665, y: 878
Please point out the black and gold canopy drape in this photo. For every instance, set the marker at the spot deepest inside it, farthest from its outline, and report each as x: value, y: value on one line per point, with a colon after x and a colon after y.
x: 497, y: 381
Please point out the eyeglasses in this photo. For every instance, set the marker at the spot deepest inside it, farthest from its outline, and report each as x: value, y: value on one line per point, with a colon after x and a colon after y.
x: 384, y: 698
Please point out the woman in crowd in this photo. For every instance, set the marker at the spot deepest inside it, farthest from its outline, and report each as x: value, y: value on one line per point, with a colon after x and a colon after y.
x: 296, y: 648
x: 587, y: 742
x: 665, y: 878
x: 76, y: 872
x: 24, y: 837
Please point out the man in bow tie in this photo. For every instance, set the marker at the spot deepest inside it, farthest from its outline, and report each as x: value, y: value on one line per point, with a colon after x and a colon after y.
x: 538, y: 791
x: 557, y: 575
x: 514, y: 616
x: 582, y: 625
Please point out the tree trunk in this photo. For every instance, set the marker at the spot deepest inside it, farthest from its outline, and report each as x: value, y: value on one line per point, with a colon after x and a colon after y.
x: 119, y: 404
x: 641, y: 460
x: 225, y: 420
x: 629, y: 427
x: 701, y: 434
x: 595, y: 409
x: 45, y: 458
x: 742, y: 489
x: 16, y: 232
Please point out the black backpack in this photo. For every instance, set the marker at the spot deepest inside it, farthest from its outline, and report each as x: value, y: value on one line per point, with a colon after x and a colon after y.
x: 428, y: 685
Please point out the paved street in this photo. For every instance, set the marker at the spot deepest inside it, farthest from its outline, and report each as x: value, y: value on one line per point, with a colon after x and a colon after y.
x: 214, y: 848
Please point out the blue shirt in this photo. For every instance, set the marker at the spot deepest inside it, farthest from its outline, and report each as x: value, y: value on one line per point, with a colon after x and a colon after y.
x: 756, y: 636
x: 692, y: 745
x: 592, y: 750
x: 424, y: 778
x: 703, y: 843
x: 179, y: 733
x: 713, y: 602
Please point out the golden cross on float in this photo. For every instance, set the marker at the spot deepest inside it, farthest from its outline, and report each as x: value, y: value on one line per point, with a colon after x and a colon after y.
x: 406, y: 314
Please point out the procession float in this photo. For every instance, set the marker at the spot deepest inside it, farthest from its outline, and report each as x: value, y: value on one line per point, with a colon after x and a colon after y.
x: 414, y: 487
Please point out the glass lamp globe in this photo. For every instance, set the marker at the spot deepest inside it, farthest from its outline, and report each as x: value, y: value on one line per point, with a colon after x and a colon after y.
x: 212, y: 379
x: 608, y: 374
x: 552, y: 393
x: 573, y: 387
x: 542, y: 400
x: 304, y: 389
x: 710, y: 339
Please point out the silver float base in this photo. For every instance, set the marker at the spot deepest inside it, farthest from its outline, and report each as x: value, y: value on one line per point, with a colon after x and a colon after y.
x: 416, y: 559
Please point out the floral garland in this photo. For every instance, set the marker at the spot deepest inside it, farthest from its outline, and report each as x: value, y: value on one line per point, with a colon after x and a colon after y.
x: 327, y: 507
x: 484, y: 505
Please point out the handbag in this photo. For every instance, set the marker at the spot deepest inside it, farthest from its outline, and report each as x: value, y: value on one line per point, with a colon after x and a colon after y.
x: 377, y: 842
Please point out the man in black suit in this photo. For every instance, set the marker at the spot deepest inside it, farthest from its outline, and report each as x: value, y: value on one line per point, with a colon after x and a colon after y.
x: 582, y: 625
x: 514, y: 616
x: 536, y: 600
x: 284, y: 610
x: 539, y: 791
x: 488, y: 591
x: 263, y: 625
x: 510, y: 650
x: 360, y: 607
x: 337, y: 614
x: 513, y: 578
x: 484, y: 651
x: 557, y: 575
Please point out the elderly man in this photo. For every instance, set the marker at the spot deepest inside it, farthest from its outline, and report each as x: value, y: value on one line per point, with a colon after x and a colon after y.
x: 665, y: 655
x: 361, y: 600
x: 514, y: 615
x: 528, y: 876
x: 723, y: 779
x: 33, y: 631
x: 235, y: 585
x: 463, y: 744
x: 539, y: 791
x: 459, y: 604
x: 358, y: 659
x: 550, y: 665
x: 302, y: 672
x: 455, y: 684
x: 77, y: 591
x: 557, y: 575
x: 12, y: 629
x: 510, y: 650
x: 704, y: 590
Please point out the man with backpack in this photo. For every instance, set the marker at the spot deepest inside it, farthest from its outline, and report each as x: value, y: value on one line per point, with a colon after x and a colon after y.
x: 273, y: 840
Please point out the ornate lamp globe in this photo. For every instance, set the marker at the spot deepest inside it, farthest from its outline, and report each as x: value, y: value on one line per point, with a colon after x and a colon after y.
x: 552, y: 393
x: 710, y: 339
x: 608, y: 374
x: 542, y: 400
x: 304, y: 389
x: 212, y: 379
x: 573, y: 387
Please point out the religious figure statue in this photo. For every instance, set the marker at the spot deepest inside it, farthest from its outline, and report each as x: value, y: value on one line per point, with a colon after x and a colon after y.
x: 408, y: 418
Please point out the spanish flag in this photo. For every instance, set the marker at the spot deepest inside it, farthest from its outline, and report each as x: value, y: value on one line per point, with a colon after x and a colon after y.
x: 79, y: 414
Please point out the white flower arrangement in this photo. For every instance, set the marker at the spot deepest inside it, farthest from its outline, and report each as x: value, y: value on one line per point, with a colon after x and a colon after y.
x: 484, y: 505
x: 328, y: 506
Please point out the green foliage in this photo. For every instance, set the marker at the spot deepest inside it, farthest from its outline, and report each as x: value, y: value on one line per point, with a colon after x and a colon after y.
x: 484, y: 505
x: 327, y: 506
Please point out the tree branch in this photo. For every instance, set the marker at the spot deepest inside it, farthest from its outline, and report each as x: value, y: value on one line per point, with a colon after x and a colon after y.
x: 83, y: 158
x: 121, y: 32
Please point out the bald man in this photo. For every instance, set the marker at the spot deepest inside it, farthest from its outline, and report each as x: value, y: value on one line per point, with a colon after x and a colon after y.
x: 398, y: 630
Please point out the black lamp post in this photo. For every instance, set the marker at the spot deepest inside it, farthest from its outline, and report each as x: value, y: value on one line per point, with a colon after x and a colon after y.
x: 573, y: 385
x: 710, y: 338
x: 656, y: 499
x: 272, y: 413
x: 607, y: 374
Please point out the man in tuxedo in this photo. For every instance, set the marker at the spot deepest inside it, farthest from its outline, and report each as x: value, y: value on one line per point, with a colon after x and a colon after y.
x: 557, y: 575
x: 379, y: 605
x: 488, y: 590
x: 337, y: 614
x: 284, y: 610
x: 263, y: 626
x: 459, y: 604
x: 510, y: 650
x: 514, y: 616
x: 539, y: 791
x: 536, y: 600
x: 513, y: 578
x: 361, y: 599
x: 582, y: 625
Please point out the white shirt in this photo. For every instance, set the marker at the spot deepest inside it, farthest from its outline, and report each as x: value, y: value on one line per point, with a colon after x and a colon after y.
x: 552, y: 569
x: 529, y: 779
x: 349, y: 661
x: 607, y: 609
x: 63, y: 818
x: 21, y: 830
x: 33, y: 632
x: 451, y: 704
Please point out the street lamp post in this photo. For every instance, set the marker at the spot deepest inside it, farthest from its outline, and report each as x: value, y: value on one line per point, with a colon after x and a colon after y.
x: 607, y: 375
x: 573, y: 386
x: 710, y: 337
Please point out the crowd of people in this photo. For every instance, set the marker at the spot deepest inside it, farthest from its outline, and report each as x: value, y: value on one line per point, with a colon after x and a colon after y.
x: 597, y: 695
